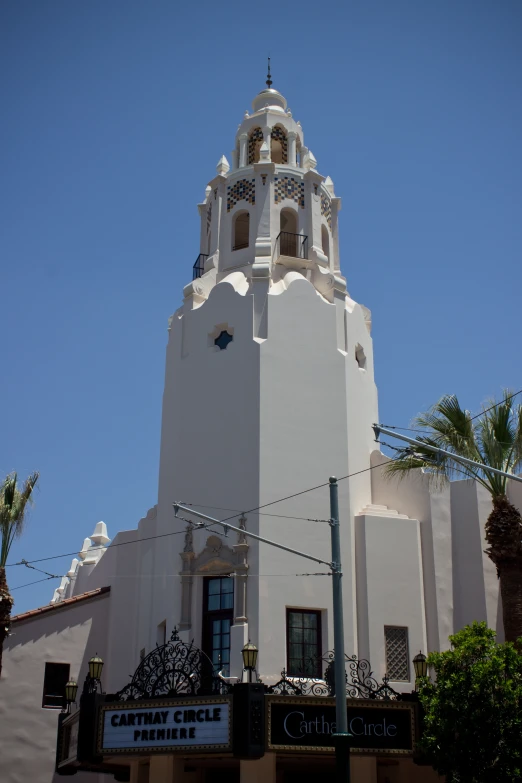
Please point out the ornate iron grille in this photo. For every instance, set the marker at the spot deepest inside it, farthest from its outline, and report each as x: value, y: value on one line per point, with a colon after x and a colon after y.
x: 174, y: 669
x: 292, y: 245
x: 360, y: 682
x: 397, y: 656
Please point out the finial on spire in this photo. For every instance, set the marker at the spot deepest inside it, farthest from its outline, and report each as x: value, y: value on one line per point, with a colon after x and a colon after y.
x: 268, y: 77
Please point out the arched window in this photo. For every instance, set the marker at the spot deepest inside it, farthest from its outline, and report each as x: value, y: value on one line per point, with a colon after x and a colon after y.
x: 288, y: 237
x: 255, y: 141
x: 241, y: 231
x: 325, y: 240
x: 279, y: 152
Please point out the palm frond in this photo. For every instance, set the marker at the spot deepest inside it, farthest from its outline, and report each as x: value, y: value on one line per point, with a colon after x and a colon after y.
x: 451, y: 427
x: 14, y: 504
x: 492, y: 440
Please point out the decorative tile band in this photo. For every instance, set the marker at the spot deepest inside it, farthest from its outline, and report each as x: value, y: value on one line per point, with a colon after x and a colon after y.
x: 288, y: 187
x: 242, y: 190
x: 326, y: 208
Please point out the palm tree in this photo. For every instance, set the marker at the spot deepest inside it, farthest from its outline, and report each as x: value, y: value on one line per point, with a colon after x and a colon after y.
x: 13, y: 506
x: 493, y: 439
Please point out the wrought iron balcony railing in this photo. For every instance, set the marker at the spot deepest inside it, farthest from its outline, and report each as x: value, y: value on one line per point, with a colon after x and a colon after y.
x: 199, y: 266
x: 292, y: 245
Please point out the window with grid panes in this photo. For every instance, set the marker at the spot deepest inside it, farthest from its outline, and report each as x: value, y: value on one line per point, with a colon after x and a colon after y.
x: 397, y: 653
x: 218, y: 615
x: 303, y: 637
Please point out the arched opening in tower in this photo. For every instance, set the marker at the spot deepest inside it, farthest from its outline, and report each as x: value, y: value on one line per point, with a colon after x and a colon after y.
x: 325, y: 239
x: 241, y: 231
x: 279, y: 143
x: 255, y: 141
x: 288, y: 235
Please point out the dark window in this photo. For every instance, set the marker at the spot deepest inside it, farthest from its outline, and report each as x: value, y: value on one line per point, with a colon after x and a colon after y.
x: 303, y: 634
x: 55, y: 679
x: 218, y: 615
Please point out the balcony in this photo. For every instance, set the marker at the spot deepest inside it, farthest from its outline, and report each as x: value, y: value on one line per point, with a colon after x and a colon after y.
x: 291, y: 245
x: 199, y: 266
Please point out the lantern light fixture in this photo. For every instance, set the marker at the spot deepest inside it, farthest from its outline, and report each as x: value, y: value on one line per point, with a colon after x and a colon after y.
x: 420, y: 664
x: 71, y: 689
x: 95, y: 667
x: 249, y: 653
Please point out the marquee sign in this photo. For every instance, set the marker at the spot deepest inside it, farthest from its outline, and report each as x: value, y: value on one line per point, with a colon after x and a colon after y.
x: 305, y: 724
x: 165, y: 726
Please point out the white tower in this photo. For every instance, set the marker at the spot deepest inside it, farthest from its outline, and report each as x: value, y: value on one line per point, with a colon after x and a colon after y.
x: 269, y: 390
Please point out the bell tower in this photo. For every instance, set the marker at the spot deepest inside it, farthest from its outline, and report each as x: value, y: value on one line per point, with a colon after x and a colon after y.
x: 269, y: 390
x: 271, y: 212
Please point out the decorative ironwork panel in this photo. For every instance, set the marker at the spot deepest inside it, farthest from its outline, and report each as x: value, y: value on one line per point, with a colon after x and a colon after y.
x: 174, y: 669
x: 359, y: 681
x: 397, y: 656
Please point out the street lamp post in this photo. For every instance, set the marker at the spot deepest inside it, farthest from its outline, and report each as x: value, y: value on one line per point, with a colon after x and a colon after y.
x: 341, y: 738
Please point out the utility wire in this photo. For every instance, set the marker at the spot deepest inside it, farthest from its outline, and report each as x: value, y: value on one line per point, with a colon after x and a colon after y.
x: 152, y: 576
x: 218, y: 521
x: 476, y: 416
x: 509, y: 397
x: 95, y: 548
x: 278, y: 516
x: 252, y: 510
x: 33, y: 583
x: 28, y: 565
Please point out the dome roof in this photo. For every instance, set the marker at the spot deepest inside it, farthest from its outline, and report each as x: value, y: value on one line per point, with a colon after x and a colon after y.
x: 271, y: 98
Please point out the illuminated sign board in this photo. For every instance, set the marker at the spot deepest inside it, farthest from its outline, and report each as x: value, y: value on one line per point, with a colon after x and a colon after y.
x: 307, y: 723
x: 165, y: 726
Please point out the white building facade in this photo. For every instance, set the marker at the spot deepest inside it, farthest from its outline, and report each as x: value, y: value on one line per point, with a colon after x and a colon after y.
x: 269, y: 390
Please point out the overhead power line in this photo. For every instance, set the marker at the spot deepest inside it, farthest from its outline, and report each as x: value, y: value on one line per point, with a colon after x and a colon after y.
x: 46, y: 579
x: 472, y: 418
x: 182, y: 532
x: 509, y: 397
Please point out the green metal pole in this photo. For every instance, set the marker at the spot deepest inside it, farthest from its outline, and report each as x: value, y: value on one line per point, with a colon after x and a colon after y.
x: 341, y: 738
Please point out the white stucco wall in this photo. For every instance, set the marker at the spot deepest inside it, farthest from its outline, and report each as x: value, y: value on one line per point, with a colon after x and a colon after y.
x: 28, y: 732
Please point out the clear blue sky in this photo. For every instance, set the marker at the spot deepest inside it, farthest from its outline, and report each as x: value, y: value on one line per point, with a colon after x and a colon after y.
x: 115, y: 113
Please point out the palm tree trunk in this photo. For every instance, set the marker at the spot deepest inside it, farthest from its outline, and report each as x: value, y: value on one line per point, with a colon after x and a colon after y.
x: 504, y: 536
x: 6, y: 604
x: 510, y: 575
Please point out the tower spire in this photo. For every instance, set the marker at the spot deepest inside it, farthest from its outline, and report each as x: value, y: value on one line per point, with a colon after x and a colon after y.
x: 268, y: 77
